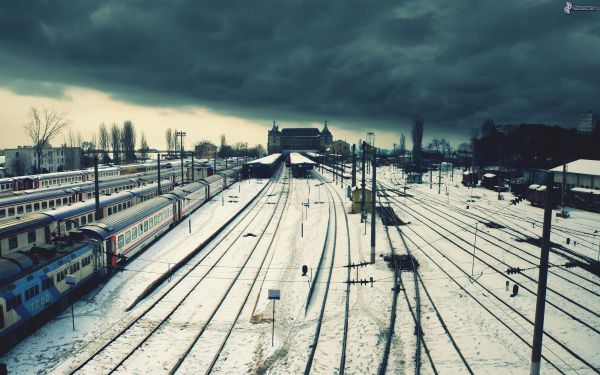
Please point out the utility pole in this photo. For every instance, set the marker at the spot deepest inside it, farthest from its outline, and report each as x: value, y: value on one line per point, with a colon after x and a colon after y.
x: 96, y: 188
x: 181, y: 135
x: 158, y: 172
x: 440, y: 178
x: 215, y: 162
x: 538, y: 329
x: 373, y: 203
x: 500, y: 174
x: 353, y: 165
x: 362, y: 196
x: 564, y: 178
x: 430, y: 178
x: 193, y: 167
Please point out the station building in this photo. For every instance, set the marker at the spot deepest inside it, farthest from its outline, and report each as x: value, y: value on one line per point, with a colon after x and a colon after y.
x: 298, y: 139
x: 582, y: 173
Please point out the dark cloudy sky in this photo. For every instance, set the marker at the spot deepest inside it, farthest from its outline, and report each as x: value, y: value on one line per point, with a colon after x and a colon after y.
x: 360, y: 64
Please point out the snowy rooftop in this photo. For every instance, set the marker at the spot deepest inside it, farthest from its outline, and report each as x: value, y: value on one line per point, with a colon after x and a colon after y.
x: 266, y: 160
x: 581, y: 166
x: 296, y: 158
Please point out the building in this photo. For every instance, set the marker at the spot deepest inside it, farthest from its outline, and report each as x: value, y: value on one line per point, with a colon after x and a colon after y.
x: 298, y: 139
x: 582, y: 173
x: 23, y: 161
x: 340, y: 147
x: 588, y: 123
x: 205, y: 150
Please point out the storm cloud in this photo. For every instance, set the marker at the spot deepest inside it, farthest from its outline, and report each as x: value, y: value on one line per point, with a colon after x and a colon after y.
x: 363, y: 63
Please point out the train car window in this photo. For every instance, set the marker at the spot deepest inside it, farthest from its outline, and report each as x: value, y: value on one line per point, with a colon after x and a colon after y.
x: 145, y: 225
x: 44, y: 205
x: 121, y: 241
x: 110, y: 210
x: 13, y: 242
x: 58, y: 202
x: 83, y: 220
x: 141, y: 228
x: 3, y: 213
x: 28, y: 208
x: 13, y: 302
x: 11, y: 211
x: 19, y: 209
x: 47, y: 283
x: 127, y: 237
x: 68, y: 224
x: 1, y: 318
x: 151, y: 222
x: 31, y: 237
x: 50, y: 204
x: 36, y: 206
x: 90, y: 218
x: 134, y: 233
x: 65, y: 201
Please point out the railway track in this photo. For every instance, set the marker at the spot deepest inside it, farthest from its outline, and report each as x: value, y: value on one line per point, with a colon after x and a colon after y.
x: 415, y: 312
x: 315, y: 338
x: 493, y: 240
x: 424, y: 220
x: 163, y: 300
x: 247, y: 295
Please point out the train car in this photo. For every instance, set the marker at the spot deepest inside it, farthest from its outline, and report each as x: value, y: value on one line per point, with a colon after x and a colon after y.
x: 188, y: 198
x: 24, y: 232
x: 125, y: 234
x: 536, y: 195
x: 50, y: 179
x: 215, y: 185
x: 7, y: 185
x: 585, y: 199
x: 33, y: 284
x: 229, y: 176
x: 469, y: 178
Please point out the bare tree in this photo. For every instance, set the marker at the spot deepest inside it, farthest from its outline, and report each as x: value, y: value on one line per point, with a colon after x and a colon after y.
x: 169, y: 139
x: 144, y: 147
x: 115, y: 140
x: 42, y: 127
x: 402, y: 147
x: 104, y: 142
x: 128, y: 140
x: 417, y: 138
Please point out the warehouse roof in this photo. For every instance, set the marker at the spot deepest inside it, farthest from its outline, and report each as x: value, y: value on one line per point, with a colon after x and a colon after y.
x: 581, y: 166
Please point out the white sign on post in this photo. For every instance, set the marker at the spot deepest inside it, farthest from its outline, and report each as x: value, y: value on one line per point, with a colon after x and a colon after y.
x: 274, y: 294
x: 71, y: 280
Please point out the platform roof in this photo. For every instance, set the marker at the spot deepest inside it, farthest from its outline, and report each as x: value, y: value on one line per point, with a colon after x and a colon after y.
x: 267, y: 160
x: 296, y: 158
x: 581, y: 166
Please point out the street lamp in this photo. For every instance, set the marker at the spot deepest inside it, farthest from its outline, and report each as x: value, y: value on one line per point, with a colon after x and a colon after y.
x: 181, y: 135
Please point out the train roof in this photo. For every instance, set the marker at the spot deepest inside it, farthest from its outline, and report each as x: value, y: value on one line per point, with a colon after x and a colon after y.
x: 213, y: 178
x: 106, y: 227
x: 44, y: 255
x: 24, y: 223
x: 47, y: 176
x: 18, y: 199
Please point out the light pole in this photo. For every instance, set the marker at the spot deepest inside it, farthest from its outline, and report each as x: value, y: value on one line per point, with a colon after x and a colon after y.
x: 181, y: 135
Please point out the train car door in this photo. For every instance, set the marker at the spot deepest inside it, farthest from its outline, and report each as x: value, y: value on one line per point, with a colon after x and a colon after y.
x: 110, y: 253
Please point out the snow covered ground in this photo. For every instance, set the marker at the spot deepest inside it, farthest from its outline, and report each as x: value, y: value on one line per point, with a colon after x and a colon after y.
x: 237, y: 271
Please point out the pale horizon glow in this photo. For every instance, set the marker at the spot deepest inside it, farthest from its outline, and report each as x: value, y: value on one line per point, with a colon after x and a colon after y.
x: 87, y: 108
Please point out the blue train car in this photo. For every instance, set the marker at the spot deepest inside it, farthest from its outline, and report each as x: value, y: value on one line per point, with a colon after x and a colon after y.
x: 33, y: 283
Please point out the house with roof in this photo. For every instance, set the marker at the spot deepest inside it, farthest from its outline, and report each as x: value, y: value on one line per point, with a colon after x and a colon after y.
x: 298, y: 139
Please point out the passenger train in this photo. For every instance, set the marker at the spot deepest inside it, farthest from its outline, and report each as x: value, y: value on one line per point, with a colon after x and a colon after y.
x: 25, y: 231
x: 33, y: 283
x: 46, y: 199
x: 56, y: 179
